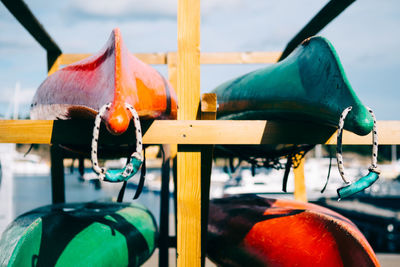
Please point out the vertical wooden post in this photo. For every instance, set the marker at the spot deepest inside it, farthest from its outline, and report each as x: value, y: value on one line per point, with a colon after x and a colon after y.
x: 299, y: 182
x: 189, y: 157
x: 208, y: 112
x: 172, y: 77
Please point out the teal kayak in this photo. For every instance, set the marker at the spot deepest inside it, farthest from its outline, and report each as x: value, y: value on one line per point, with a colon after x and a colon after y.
x: 80, y: 234
x: 308, y: 86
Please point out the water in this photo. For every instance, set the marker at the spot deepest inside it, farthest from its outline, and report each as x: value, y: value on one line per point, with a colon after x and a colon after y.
x: 31, y: 192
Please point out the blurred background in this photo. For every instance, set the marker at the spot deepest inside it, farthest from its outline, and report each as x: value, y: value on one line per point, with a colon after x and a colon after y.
x: 365, y: 36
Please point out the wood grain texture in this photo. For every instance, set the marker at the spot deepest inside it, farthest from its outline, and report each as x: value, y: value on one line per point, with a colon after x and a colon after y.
x: 208, y: 112
x: 209, y: 104
x: 26, y: 131
x: 299, y: 182
x: 192, y: 132
x: 172, y: 77
x: 189, y: 157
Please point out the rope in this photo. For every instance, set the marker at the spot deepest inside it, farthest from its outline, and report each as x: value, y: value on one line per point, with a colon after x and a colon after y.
x: 339, y: 151
x: 129, y: 168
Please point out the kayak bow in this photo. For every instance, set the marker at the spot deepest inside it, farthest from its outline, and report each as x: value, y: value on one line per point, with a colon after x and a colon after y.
x: 308, y: 86
x: 114, y: 76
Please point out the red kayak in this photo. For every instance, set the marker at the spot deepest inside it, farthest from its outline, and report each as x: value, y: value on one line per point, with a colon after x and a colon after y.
x: 114, y: 76
x: 255, y: 231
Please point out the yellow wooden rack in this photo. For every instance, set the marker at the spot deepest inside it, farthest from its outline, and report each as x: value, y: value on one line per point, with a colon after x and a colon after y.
x: 193, y: 136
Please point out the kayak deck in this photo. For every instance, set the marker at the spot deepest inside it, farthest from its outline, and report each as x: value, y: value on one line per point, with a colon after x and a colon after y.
x: 310, y: 85
x: 114, y: 76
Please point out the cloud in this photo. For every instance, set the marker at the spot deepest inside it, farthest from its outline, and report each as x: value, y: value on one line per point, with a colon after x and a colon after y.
x: 364, y: 37
x: 135, y: 9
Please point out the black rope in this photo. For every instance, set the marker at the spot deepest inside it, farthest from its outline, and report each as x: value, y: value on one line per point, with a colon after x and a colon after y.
x: 287, y: 171
x: 122, y: 192
x: 29, y: 150
x: 142, y: 177
x: 329, y: 169
x: 162, y: 153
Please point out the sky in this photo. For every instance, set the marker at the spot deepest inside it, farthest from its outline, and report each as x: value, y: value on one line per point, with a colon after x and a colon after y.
x: 365, y: 36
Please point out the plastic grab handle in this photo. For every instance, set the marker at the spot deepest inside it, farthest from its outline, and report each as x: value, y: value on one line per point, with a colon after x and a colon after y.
x: 120, y: 175
x: 358, y: 186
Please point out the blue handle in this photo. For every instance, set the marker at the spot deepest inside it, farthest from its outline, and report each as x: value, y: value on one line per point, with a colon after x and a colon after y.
x: 358, y: 186
x: 120, y: 175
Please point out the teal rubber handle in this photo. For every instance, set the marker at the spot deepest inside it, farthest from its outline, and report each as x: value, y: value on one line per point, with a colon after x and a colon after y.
x: 120, y: 175
x: 358, y: 186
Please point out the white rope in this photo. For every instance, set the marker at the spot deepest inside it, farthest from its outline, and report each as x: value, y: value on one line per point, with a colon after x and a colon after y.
x: 101, y: 171
x: 339, y: 151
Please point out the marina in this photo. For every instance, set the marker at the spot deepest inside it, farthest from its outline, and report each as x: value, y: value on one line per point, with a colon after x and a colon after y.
x: 124, y: 160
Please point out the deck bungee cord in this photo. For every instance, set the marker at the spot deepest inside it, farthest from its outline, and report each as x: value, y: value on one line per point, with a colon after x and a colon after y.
x: 134, y: 162
x: 373, y: 174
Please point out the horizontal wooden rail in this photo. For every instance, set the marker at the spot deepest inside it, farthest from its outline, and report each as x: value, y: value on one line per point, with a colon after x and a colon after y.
x: 192, y: 132
x: 205, y: 58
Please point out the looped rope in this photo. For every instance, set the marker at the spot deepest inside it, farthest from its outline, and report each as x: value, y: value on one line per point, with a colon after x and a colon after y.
x: 136, y: 158
x: 339, y: 156
x: 374, y: 171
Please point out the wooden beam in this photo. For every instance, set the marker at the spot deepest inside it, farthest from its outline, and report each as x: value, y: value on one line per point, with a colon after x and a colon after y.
x: 239, y: 57
x: 330, y: 11
x: 208, y: 106
x: 149, y: 58
x: 189, y: 157
x: 26, y: 131
x: 192, y: 132
x: 300, y: 193
x: 170, y: 58
x: 172, y: 77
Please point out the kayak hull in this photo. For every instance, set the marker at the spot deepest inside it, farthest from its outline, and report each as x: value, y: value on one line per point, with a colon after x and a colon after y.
x: 113, y: 75
x: 310, y: 86
x: 255, y: 231
x: 80, y: 234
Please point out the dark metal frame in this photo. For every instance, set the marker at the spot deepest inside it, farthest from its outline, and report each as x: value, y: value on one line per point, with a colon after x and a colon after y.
x: 23, y: 14
x: 330, y: 11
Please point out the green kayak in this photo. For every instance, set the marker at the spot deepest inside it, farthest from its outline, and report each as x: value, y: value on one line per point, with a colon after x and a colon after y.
x: 308, y: 86
x: 80, y: 234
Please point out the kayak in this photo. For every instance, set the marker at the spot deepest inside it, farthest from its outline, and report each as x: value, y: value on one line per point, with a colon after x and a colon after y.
x: 307, y: 90
x: 256, y: 231
x: 308, y: 86
x: 113, y: 75
x: 80, y: 234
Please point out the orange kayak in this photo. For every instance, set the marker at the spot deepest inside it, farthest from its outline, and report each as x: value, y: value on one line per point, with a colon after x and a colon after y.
x: 114, y: 76
x: 255, y: 231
